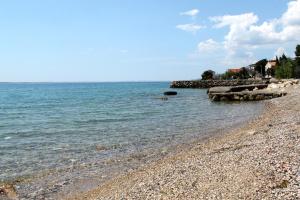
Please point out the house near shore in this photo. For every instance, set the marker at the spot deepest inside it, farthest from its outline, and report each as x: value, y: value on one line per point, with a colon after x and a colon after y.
x: 272, y: 64
x: 247, y: 71
x: 234, y: 70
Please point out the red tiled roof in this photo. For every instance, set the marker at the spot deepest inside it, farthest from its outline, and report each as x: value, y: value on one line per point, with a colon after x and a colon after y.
x: 234, y: 70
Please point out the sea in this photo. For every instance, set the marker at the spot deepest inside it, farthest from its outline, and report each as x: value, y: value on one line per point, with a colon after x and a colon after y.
x: 86, y: 133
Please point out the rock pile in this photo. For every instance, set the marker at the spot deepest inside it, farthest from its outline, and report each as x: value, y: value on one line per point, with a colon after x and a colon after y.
x: 283, y: 84
x: 7, y: 192
x: 215, y: 83
x: 245, y: 96
x: 251, y: 92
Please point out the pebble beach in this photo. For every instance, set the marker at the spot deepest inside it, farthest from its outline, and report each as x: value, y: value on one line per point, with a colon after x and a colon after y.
x: 260, y: 160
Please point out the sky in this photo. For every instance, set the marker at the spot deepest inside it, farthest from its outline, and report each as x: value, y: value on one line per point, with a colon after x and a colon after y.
x: 134, y: 40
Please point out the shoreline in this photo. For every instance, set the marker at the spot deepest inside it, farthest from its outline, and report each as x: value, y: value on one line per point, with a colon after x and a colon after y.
x: 81, y: 175
x: 257, y: 160
x: 69, y: 191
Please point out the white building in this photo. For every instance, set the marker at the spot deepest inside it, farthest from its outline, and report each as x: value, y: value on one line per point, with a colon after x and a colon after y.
x: 270, y: 65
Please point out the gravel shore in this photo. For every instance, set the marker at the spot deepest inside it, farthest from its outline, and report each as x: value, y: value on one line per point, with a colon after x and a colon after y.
x: 258, y: 161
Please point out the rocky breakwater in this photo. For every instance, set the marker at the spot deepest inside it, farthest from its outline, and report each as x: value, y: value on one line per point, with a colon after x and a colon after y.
x: 251, y: 92
x: 215, y: 83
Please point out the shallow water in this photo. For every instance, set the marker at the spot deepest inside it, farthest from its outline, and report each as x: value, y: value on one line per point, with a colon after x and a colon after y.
x: 56, y: 126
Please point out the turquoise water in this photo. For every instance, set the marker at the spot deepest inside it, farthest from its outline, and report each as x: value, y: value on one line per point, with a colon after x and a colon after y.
x: 53, y: 126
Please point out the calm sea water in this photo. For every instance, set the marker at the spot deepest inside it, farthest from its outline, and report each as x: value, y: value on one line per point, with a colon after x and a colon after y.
x: 54, y: 126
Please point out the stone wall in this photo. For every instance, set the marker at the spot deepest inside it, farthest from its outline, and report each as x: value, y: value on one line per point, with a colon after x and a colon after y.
x: 214, y: 83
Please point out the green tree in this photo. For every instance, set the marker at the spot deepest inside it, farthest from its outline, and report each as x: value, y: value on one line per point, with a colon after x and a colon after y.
x: 243, y: 74
x: 283, y: 58
x: 229, y: 75
x: 297, y: 62
x: 208, y: 75
x: 270, y: 72
x: 277, y: 60
x: 260, y: 67
x: 285, y: 69
x: 297, y: 52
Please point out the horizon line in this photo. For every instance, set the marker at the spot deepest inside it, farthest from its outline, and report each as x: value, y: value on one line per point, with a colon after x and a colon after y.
x: 1, y: 82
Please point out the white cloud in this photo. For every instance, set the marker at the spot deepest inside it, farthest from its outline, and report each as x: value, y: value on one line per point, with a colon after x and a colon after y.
x: 279, y: 52
x: 292, y: 15
x: 238, y: 58
x: 246, y: 34
x: 190, y: 27
x: 193, y: 28
x: 209, y: 46
x: 191, y: 13
x: 242, y: 21
x: 245, y: 31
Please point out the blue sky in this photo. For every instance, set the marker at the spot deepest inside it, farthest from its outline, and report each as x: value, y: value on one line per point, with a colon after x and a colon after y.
x: 133, y: 40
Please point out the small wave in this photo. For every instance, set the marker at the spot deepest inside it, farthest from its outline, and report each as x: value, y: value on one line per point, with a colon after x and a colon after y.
x: 7, y: 138
x: 93, y: 121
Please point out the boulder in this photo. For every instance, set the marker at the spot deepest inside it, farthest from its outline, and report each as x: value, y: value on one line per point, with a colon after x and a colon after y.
x: 259, y: 97
x: 219, y: 90
x: 251, y: 98
x: 236, y: 97
x: 224, y: 98
x: 273, y: 86
x: 8, y: 191
x: 215, y: 98
x: 170, y: 93
x: 274, y: 80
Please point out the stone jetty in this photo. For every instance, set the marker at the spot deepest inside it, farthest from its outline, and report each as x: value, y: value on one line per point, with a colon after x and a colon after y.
x: 254, y: 92
x: 216, y: 83
x: 245, y: 95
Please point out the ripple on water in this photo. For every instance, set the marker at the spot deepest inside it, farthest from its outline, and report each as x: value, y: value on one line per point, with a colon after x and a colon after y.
x: 113, y: 123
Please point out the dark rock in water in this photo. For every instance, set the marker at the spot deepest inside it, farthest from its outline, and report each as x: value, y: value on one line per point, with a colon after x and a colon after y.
x: 170, y: 93
x: 215, y: 98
